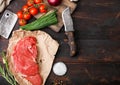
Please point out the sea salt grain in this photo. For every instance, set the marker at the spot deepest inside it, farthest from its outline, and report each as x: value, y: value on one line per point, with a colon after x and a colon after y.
x: 59, y: 68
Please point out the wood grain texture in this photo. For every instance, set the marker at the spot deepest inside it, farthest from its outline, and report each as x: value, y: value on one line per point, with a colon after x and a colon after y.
x: 71, y: 43
x: 97, y: 35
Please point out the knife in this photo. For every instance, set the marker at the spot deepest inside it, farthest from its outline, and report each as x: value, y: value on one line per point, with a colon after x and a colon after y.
x: 68, y: 24
x: 7, y: 23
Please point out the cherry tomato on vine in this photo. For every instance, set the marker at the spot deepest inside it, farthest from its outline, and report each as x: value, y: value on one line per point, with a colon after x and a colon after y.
x: 30, y: 2
x: 20, y: 14
x: 25, y: 8
x: 22, y: 22
x: 26, y: 15
x: 43, y: 8
x: 33, y: 11
x: 37, y: 1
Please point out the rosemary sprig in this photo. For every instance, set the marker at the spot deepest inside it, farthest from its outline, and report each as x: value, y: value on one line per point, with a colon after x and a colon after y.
x: 5, y: 71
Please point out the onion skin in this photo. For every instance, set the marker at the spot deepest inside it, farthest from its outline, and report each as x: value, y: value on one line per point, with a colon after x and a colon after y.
x: 54, y: 2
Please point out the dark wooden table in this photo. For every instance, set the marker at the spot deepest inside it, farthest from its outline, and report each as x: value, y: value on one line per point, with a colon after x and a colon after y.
x: 97, y: 35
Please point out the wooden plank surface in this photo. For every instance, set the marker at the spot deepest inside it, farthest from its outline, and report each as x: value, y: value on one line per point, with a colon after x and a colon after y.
x: 97, y: 35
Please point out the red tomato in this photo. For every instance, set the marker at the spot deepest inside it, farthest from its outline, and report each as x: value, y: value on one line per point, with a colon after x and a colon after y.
x: 33, y: 11
x: 20, y: 14
x: 43, y: 8
x: 37, y: 1
x: 30, y: 2
x: 22, y: 22
x: 26, y: 15
x: 25, y: 8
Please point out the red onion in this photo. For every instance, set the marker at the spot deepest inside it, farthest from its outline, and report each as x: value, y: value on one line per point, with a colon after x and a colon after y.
x: 54, y: 2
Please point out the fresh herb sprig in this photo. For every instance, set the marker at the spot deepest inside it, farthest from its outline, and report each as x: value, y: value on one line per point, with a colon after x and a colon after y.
x: 5, y: 73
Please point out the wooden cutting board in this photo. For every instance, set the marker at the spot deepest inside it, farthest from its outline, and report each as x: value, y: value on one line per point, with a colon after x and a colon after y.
x: 60, y: 8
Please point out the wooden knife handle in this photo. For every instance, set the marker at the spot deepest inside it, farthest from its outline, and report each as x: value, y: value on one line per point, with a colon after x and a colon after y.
x: 71, y: 43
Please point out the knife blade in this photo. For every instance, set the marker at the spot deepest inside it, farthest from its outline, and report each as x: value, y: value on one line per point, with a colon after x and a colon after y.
x: 68, y: 24
x: 7, y: 23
